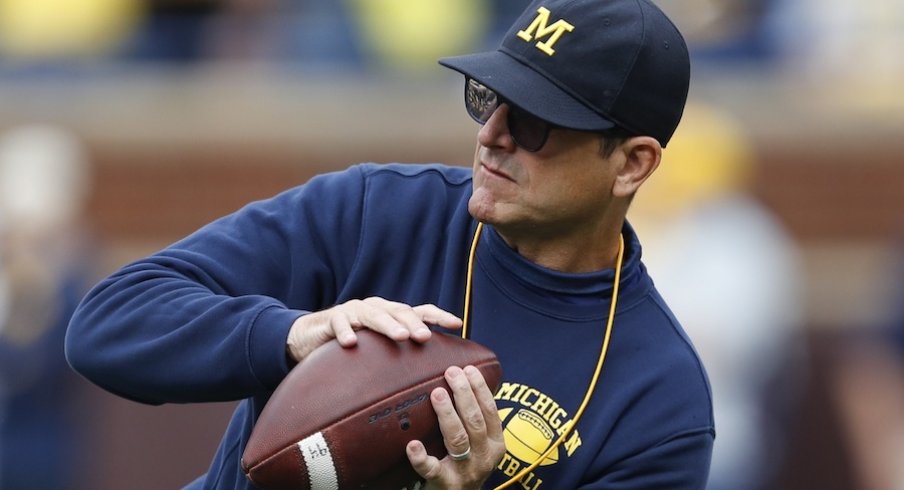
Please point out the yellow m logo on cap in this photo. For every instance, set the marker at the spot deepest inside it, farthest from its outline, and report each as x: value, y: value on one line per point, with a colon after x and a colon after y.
x: 540, y: 28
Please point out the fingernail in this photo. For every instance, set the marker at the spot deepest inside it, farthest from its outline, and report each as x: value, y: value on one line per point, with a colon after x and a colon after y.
x: 414, y: 448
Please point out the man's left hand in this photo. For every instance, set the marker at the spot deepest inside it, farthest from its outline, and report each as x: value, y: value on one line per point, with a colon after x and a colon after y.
x: 472, y: 432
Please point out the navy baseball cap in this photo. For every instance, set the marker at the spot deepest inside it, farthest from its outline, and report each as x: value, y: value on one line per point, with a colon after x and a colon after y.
x: 590, y: 65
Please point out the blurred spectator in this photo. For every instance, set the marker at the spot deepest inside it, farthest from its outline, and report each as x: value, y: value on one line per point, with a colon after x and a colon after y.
x: 412, y: 34
x: 310, y: 33
x: 33, y: 31
x: 730, y: 31
x: 897, y: 306
x: 731, y: 275
x: 173, y: 30
x: 849, y: 39
x: 307, y: 32
x: 192, y: 31
x: 45, y: 268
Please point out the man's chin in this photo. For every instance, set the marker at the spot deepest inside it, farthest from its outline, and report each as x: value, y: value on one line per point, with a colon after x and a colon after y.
x: 482, y: 206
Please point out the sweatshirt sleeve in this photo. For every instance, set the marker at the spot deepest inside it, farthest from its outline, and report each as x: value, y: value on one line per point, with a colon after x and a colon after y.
x: 207, y: 318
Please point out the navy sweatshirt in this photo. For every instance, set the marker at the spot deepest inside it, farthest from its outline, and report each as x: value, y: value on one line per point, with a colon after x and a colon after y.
x: 206, y: 319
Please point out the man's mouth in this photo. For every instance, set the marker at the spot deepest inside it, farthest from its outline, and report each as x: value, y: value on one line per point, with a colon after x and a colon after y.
x: 495, y: 171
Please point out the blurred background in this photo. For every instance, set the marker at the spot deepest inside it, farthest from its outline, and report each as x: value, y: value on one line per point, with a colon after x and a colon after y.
x: 775, y: 225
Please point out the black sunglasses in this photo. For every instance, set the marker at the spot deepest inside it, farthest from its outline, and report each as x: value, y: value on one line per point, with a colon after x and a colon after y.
x: 529, y: 132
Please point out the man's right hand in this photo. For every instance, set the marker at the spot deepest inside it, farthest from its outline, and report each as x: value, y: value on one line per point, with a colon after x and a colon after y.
x: 397, y: 321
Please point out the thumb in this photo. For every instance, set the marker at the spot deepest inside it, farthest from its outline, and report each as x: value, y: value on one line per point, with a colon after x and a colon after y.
x: 425, y: 465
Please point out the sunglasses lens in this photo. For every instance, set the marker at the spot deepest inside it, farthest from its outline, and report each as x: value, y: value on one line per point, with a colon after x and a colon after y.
x: 529, y: 132
x: 480, y: 101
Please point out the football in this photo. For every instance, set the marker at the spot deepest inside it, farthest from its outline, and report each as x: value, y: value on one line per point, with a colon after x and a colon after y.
x: 341, y: 418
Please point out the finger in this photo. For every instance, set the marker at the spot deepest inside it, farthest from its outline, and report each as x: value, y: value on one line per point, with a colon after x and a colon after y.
x: 455, y: 437
x: 374, y: 313
x: 405, y: 317
x: 467, y: 406
x: 411, y: 320
x: 486, y: 401
x: 342, y: 329
x: 433, y: 315
x: 425, y: 465
x: 417, y: 319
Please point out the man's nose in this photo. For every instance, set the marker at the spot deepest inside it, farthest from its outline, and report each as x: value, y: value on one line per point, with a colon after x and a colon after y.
x: 495, y: 133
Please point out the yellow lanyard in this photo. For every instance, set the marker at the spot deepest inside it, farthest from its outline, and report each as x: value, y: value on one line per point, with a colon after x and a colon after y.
x: 599, y: 364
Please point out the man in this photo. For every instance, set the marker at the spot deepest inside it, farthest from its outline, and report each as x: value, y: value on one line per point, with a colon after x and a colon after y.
x: 575, y: 107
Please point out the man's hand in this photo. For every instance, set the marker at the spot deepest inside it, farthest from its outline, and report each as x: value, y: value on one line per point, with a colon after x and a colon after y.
x: 471, y: 429
x: 397, y: 321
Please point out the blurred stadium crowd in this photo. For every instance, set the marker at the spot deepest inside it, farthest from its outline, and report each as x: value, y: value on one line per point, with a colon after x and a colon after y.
x: 809, y: 388
x: 817, y: 37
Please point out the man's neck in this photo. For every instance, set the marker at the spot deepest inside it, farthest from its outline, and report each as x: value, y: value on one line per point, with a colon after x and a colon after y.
x: 573, y: 253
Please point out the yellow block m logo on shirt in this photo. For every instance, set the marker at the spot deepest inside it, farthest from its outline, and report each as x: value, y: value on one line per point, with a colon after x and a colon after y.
x: 540, y: 29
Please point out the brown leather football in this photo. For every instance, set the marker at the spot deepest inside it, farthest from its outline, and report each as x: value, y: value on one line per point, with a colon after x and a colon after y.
x: 341, y: 418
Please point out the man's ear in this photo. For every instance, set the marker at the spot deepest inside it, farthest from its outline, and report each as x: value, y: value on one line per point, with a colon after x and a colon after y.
x: 642, y: 157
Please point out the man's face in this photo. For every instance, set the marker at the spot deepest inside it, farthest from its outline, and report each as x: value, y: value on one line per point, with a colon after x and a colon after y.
x: 565, y: 187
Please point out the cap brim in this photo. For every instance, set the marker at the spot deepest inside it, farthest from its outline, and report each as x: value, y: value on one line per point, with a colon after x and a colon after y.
x: 527, y: 89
